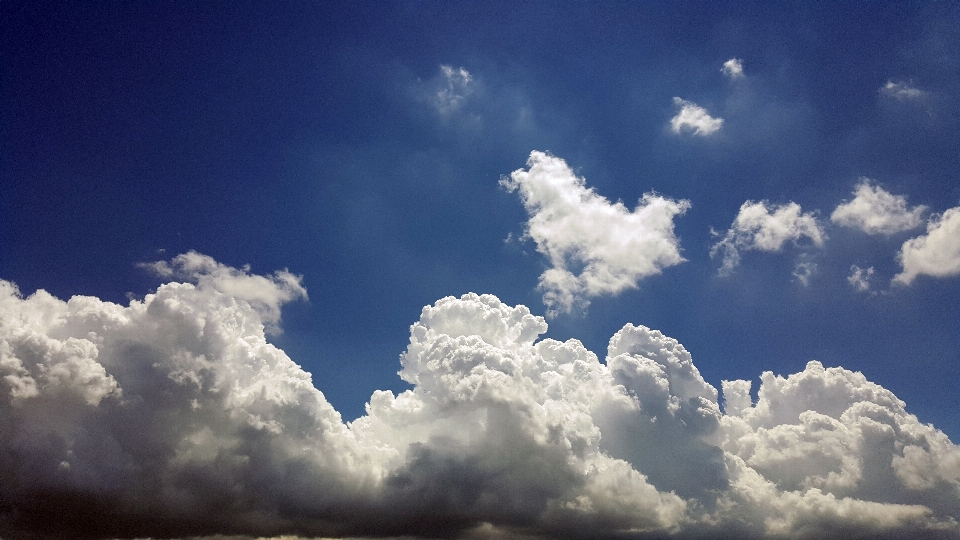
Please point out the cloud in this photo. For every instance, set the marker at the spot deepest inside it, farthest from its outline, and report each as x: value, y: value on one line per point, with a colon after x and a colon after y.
x: 876, y: 211
x: 803, y: 271
x: 758, y: 227
x: 454, y: 89
x: 733, y: 68
x: 694, y: 118
x: 173, y: 416
x: 595, y: 247
x: 901, y: 91
x: 859, y: 278
x: 936, y: 253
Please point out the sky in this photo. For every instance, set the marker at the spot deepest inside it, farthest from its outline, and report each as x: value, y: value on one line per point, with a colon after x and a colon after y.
x: 479, y: 270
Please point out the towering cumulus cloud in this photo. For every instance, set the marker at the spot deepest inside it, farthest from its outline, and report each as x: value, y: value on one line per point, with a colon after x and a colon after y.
x: 595, y: 247
x: 173, y: 416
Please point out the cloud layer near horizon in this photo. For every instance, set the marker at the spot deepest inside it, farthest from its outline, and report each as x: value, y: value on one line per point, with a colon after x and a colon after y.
x: 173, y: 416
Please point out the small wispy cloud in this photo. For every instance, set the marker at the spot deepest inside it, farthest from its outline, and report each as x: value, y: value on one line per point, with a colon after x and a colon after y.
x: 694, y: 118
x: 733, y: 68
x: 454, y: 90
x: 859, y: 278
x: 902, y: 91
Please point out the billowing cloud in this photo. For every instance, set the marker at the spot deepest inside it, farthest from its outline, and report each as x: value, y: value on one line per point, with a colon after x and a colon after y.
x: 760, y: 226
x: 693, y: 118
x: 901, y: 91
x: 859, y: 278
x: 936, y: 253
x: 595, y: 247
x: 172, y: 416
x: 873, y: 210
x: 733, y: 68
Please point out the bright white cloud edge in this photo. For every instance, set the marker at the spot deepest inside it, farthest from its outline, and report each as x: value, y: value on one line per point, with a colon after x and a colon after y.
x: 501, y: 435
x: 594, y: 247
x: 761, y: 226
x: 936, y: 253
x: 694, y: 118
x: 874, y: 210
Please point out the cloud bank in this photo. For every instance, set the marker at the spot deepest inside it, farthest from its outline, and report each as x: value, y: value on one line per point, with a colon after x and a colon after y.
x: 173, y: 416
x: 875, y: 211
x: 694, y: 118
x: 758, y: 227
x: 595, y: 247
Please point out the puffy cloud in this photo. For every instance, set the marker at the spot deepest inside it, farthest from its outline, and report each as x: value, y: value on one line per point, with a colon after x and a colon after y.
x: 759, y: 227
x: 875, y: 211
x: 733, y: 68
x: 901, y: 91
x: 694, y: 118
x: 595, y: 247
x: 859, y: 278
x: 173, y: 416
x: 936, y: 253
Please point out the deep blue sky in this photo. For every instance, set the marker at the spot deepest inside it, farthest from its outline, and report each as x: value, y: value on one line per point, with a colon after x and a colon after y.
x: 307, y: 136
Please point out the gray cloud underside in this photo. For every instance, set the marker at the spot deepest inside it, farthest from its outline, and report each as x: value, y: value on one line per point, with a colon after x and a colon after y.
x: 174, y: 417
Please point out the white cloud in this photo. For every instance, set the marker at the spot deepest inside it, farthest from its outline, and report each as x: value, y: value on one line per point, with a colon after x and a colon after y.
x: 733, y: 68
x: 454, y: 89
x: 804, y: 271
x: 859, y: 278
x: 936, y: 253
x: 758, y: 227
x: 875, y: 211
x: 174, y: 416
x: 695, y: 118
x: 595, y: 247
x: 901, y: 91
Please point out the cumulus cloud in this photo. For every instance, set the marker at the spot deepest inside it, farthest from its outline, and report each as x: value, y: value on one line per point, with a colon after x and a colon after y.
x: 733, y: 68
x: 172, y: 416
x: 595, y: 247
x: 936, y: 253
x: 901, y: 91
x: 859, y: 278
x: 873, y: 210
x: 694, y: 118
x: 760, y: 226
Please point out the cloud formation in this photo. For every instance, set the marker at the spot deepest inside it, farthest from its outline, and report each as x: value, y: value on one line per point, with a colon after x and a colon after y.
x: 733, y: 68
x: 694, y: 118
x: 936, y: 253
x: 454, y: 89
x: 859, y: 278
x: 901, y: 91
x: 760, y: 226
x: 875, y: 211
x: 595, y: 247
x: 173, y: 416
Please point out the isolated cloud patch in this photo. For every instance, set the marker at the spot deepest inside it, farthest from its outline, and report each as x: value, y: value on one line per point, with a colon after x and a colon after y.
x: 901, y: 91
x: 173, y: 416
x: 873, y: 210
x: 733, y: 68
x: 454, y: 88
x: 859, y: 278
x: 595, y: 247
x: 760, y: 226
x: 936, y: 253
x: 694, y: 119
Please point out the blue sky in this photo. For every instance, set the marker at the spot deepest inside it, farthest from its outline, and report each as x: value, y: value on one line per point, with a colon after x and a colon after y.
x: 369, y: 147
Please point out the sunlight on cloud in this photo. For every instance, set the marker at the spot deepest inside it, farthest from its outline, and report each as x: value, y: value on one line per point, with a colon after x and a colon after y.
x: 595, y: 247
x: 876, y: 211
x: 758, y: 227
x: 173, y: 416
x: 693, y: 118
x: 936, y: 253
x: 733, y: 68
x: 455, y: 89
